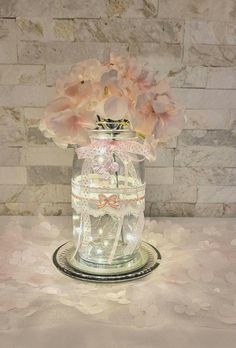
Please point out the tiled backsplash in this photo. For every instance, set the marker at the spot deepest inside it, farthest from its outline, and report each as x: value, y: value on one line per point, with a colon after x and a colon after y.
x: 192, y: 41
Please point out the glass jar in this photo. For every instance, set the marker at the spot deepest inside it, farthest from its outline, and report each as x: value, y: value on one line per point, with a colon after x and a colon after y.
x: 108, y: 199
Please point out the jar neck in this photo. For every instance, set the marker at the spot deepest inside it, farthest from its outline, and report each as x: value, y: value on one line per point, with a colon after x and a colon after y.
x: 115, y: 134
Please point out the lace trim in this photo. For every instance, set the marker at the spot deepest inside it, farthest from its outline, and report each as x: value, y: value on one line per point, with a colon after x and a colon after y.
x: 122, y: 211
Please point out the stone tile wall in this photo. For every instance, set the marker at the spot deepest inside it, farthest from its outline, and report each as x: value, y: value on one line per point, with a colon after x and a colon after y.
x: 193, y: 41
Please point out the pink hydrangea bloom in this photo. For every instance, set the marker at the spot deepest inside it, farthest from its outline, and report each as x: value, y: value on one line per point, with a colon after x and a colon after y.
x: 115, y: 89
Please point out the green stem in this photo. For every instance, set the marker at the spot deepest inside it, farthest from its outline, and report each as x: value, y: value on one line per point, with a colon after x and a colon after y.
x: 117, y: 185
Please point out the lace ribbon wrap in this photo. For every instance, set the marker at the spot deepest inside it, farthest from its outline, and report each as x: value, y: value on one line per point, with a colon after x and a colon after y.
x: 96, y: 200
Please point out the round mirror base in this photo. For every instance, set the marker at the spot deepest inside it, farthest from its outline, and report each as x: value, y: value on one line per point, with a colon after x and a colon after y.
x: 145, y: 261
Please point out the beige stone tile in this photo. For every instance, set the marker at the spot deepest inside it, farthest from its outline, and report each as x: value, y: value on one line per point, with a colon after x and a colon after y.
x: 46, y: 193
x: 217, y: 194
x: 160, y: 55
x: 205, y: 156
x: 207, y: 119
x: 34, y: 52
x: 205, y: 176
x: 219, y: 137
x: 55, y: 71
x: 7, y: 30
x: 171, y: 193
x: 208, y: 209
x: 147, y: 211
x: 56, y: 209
x: 51, y: 8
x: 9, y: 193
x: 63, y: 30
x: 12, y: 209
x: 229, y: 210
x: 202, y: 9
x: 206, y: 98
x: 33, y: 116
x: 35, y: 193
x: 46, y: 209
x: 212, y: 32
x: 79, y: 9
x: 168, y: 144
x: 188, y: 76
x: 186, y: 209
x: 48, y: 156
x: 211, y: 55
x: 158, y: 176
x: 10, y: 156
x: 48, y: 175
x: 13, y: 175
x: 222, y: 78
x: 8, y: 52
x: 164, y: 158
x: 44, y: 29
x: 124, y: 30
x: 8, y: 9
x: 12, y: 130
x: 22, y: 74
x: 19, y: 96
x: 232, y: 121
x: 35, y: 137
x: 128, y: 9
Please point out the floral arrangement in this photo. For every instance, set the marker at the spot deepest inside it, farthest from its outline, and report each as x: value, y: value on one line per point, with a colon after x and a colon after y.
x: 118, y: 90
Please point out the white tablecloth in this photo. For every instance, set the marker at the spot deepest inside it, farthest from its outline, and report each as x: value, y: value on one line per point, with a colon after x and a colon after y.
x: 188, y: 301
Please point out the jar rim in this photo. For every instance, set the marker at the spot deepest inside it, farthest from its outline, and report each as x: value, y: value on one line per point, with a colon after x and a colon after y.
x: 125, y: 133
x: 123, y: 130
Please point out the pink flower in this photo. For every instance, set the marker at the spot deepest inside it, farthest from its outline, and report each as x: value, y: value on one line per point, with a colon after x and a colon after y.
x: 110, y: 84
x: 141, y: 77
x: 72, y: 125
x: 169, y: 124
x: 158, y: 113
x: 78, y: 91
x: 119, y: 88
x: 145, y: 118
x: 118, y: 63
x: 87, y: 70
x: 116, y: 108
x: 162, y: 87
x: 170, y: 116
x: 59, y: 104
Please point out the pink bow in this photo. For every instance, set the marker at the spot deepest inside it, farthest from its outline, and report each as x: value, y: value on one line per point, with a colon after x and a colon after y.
x: 104, y: 168
x: 111, y: 201
x: 124, y: 149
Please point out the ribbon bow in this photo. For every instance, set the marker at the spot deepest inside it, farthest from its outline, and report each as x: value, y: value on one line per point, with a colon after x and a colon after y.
x: 111, y: 201
x: 124, y: 149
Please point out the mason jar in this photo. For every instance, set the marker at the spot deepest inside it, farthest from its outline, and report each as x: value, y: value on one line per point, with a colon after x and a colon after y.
x: 108, y: 200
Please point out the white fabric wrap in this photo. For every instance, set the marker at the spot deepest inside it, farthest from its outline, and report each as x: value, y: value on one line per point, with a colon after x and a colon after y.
x: 127, y: 152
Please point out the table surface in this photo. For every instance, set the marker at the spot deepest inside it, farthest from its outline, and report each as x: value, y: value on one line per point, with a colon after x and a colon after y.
x: 188, y: 301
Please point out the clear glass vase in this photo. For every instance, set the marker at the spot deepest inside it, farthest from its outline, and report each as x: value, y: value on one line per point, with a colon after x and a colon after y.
x: 108, y: 199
